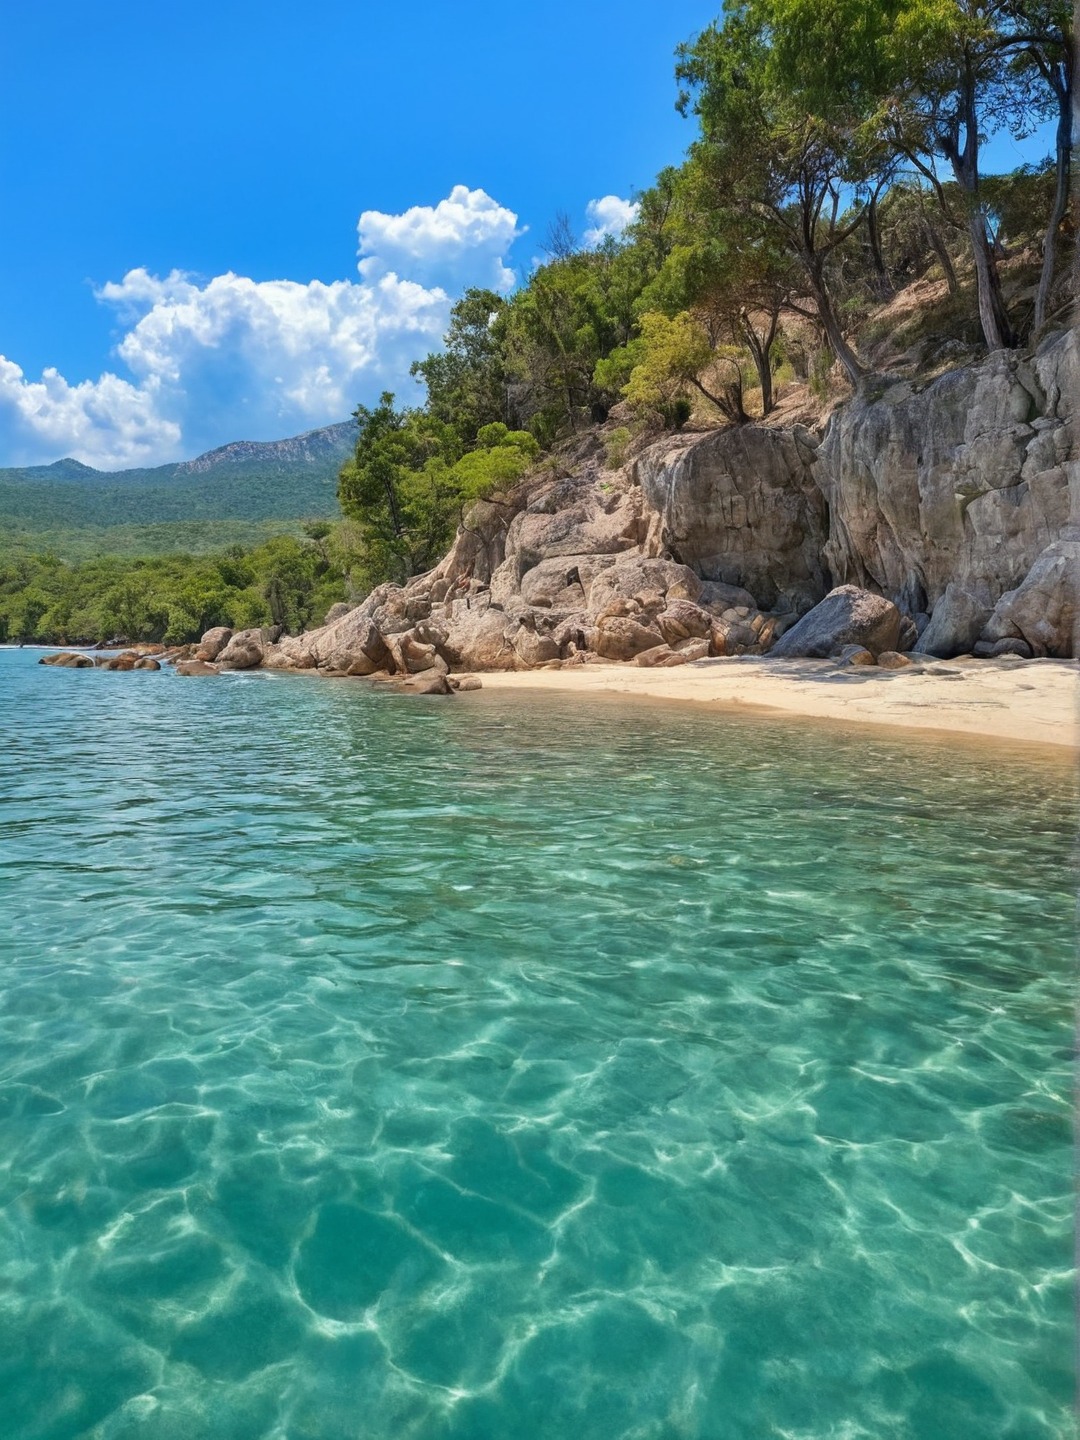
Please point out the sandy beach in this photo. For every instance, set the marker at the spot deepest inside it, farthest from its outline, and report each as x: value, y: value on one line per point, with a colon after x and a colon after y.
x: 1020, y: 701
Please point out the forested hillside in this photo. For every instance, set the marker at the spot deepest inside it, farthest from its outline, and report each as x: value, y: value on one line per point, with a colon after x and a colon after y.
x: 45, y: 506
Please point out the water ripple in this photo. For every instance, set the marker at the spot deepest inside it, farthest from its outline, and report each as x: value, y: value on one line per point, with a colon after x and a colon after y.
x: 377, y: 1068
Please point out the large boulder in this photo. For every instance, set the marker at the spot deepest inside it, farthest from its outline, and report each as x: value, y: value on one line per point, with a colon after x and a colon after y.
x: 243, y: 652
x: 213, y: 642
x: 683, y: 620
x: 412, y: 655
x: 847, y: 616
x: 291, y: 652
x: 958, y: 618
x: 620, y: 637
x: 476, y: 639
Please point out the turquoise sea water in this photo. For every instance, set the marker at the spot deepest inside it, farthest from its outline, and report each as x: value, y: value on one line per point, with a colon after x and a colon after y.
x: 380, y: 1067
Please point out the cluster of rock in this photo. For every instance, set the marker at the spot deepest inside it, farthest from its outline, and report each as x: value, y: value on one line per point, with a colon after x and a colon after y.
x: 139, y: 659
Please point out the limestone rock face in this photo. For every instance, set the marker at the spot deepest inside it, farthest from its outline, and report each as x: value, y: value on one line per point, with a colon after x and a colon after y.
x: 847, y: 616
x: 1043, y: 612
x: 741, y: 507
x: 936, y: 517
x: 945, y: 498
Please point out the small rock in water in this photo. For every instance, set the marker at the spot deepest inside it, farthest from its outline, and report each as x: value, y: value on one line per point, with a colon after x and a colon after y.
x: 146, y: 663
x: 196, y: 667
x: 893, y: 660
x: 431, y: 682
x: 68, y: 659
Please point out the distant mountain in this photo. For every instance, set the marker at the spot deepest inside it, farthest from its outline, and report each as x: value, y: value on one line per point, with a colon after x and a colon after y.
x: 247, y: 480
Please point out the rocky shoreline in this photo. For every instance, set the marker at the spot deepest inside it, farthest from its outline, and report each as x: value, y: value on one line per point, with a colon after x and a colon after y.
x: 922, y: 522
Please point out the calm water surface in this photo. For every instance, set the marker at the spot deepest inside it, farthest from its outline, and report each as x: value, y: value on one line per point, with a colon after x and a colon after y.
x: 374, y: 1067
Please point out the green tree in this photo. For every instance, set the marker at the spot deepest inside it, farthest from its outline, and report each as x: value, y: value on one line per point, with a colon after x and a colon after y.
x: 409, y: 484
x: 957, y: 72
x: 675, y: 352
x: 466, y: 380
x: 769, y: 156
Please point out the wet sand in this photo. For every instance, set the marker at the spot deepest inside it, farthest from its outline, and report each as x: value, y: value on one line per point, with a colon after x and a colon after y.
x: 1023, y: 701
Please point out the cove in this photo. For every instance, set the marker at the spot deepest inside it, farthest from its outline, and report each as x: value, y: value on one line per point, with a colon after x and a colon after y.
x: 373, y: 1067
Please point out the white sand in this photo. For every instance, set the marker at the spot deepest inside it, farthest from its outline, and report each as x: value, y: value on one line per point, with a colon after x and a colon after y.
x: 1027, y: 702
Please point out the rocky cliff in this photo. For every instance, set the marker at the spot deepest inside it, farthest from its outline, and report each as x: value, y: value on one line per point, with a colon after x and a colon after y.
x: 957, y: 501
x: 961, y: 501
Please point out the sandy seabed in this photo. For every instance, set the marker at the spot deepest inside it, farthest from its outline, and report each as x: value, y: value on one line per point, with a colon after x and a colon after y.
x: 1022, y: 701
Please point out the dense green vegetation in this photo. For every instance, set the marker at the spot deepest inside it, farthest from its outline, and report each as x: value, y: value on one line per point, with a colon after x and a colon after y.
x: 286, y: 581
x: 836, y: 159
x: 132, y: 542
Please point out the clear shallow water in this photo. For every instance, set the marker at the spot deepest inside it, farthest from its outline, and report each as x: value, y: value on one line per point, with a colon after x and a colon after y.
x: 374, y: 1067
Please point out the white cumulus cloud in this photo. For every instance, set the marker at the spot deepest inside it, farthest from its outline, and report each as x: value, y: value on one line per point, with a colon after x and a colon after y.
x: 235, y: 358
x: 460, y: 241
x: 106, y: 422
x: 610, y: 215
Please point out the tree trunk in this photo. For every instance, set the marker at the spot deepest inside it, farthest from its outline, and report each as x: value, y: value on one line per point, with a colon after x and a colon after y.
x: 884, y: 286
x: 730, y: 403
x: 941, y: 250
x: 853, y: 368
x: 1061, y: 200
x: 760, y: 347
x: 994, y: 318
x: 964, y: 159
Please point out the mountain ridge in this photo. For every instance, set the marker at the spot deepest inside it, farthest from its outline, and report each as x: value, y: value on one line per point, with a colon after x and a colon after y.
x: 327, y: 442
x: 250, y: 480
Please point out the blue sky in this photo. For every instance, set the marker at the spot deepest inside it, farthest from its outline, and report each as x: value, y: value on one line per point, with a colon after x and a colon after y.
x: 182, y: 190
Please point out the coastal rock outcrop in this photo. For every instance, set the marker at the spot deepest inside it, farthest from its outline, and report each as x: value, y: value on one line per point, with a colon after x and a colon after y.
x: 213, y: 642
x: 941, y: 516
x: 741, y: 506
x: 244, y: 650
x: 947, y: 498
